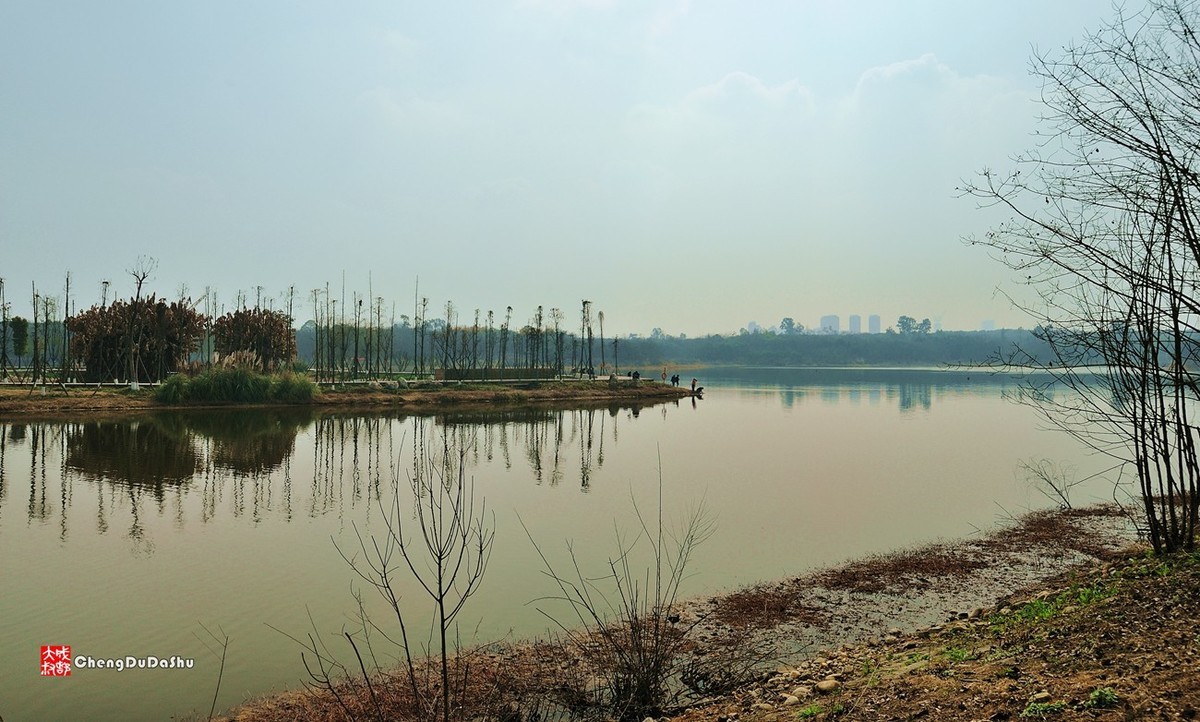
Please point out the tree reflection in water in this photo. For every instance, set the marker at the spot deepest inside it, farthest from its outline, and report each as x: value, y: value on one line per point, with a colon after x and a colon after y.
x: 548, y: 437
x: 251, y: 442
x: 241, y: 462
x: 139, y: 453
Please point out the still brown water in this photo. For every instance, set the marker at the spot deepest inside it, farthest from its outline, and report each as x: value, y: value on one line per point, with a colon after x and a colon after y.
x: 131, y: 538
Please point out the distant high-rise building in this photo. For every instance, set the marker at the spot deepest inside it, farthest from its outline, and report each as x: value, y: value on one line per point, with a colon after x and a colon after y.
x: 987, y: 325
x: 855, y: 323
x: 831, y: 324
x: 873, y: 323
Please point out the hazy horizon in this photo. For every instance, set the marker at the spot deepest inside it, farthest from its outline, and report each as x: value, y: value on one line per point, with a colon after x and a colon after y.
x: 692, y: 168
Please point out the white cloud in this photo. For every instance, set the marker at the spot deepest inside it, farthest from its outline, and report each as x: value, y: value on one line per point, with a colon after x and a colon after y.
x: 926, y: 82
x: 737, y: 85
x: 928, y: 61
x: 736, y: 97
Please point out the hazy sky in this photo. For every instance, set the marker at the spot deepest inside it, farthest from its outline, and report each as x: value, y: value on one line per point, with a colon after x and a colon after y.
x: 692, y: 166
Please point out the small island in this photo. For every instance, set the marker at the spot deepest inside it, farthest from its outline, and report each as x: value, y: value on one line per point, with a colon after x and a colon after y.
x: 51, y: 400
x: 146, y: 353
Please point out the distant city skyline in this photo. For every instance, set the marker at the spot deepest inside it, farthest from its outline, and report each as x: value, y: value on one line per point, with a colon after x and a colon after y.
x: 683, y: 166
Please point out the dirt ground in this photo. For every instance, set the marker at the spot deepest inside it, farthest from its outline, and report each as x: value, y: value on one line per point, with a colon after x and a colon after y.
x: 1116, y: 641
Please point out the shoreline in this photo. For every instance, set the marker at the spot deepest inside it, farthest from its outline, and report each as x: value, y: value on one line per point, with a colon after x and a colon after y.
x: 51, y: 402
x: 785, y: 636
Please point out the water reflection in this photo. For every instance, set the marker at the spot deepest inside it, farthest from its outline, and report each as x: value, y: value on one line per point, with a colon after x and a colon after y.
x: 281, y: 464
x: 254, y: 442
x: 552, y: 439
x: 909, y: 390
x: 141, y: 453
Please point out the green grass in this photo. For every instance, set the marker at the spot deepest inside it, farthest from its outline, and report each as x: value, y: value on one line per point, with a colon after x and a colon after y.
x: 1094, y: 593
x: 1039, y: 610
x: 958, y: 654
x: 237, y: 385
x: 292, y: 388
x: 1036, y: 611
x: 1042, y: 709
x: 1103, y: 698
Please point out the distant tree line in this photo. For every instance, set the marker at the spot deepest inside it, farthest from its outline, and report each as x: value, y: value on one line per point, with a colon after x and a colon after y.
x: 800, y: 349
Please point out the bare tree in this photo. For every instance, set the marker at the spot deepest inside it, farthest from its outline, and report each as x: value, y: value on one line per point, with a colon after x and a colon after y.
x: 4, y: 307
x: 317, y: 338
x: 1105, y: 227
x: 504, y: 337
x: 442, y: 535
x: 1055, y: 481
x: 66, y: 335
x: 36, y: 354
x: 556, y: 315
x: 141, y: 271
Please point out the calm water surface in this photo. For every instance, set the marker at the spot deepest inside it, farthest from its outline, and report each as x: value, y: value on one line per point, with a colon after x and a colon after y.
x: 130, y: 537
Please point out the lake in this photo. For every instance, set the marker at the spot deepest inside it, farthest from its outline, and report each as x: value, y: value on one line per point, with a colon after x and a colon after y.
x: 134, y: 537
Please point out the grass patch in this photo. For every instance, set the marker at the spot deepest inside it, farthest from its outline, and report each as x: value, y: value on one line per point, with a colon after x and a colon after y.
x: 292, y: 389
x: 1040, y: 710
x: 1040, y: 610
x: 958, y: 654
x: 1103, y: 698
x: 1091, y: 594
x: 236, y: 385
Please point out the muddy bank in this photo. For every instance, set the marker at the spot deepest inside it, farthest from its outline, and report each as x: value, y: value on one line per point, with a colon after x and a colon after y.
x: 52, y: 401
x: 803, y: 625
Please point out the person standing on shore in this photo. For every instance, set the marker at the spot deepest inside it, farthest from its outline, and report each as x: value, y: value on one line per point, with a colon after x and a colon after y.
x: 693, y: 386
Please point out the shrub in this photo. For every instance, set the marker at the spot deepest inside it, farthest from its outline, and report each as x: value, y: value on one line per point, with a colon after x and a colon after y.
x: 292, y: 388
x: 173, y: 390
x: 239, y: 385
